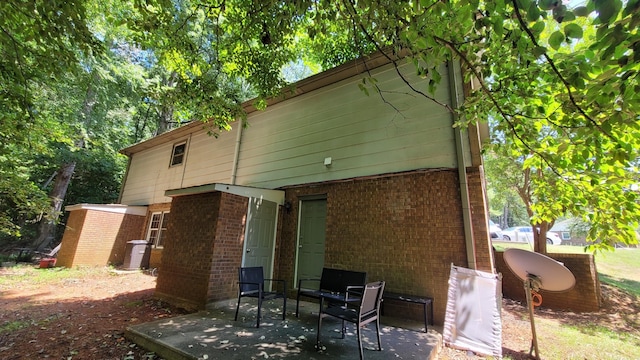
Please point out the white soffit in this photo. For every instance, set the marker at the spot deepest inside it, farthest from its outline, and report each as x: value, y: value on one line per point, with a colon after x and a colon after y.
x: 276, y: 196
x: 112, y: 208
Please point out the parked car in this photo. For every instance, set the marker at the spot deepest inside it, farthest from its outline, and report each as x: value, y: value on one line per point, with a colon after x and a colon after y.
x: 553, y: 238
x: 525, y: 234
x: 518, y: 233
x: 495, y: 231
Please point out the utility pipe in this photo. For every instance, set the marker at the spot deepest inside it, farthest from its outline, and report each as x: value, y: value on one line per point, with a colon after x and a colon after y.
x: 455, y: 83
x: 236, y: 154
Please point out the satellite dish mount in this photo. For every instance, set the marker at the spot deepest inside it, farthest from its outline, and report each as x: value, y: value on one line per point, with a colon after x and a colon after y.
x: 537, y: 272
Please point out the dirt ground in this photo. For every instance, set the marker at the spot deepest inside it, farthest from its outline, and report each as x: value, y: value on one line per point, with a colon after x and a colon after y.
x: 77, y: 318
x: 84, y: 317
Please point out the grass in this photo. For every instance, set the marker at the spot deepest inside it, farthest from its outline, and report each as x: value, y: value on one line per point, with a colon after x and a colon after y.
x: 13, y: 276
x: 561, y: 340
x: 619, y: 268
x: 13, y: 326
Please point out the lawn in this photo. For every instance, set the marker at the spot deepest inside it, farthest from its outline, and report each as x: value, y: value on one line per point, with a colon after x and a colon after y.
x: 620, y: 268
x: 612, y: 334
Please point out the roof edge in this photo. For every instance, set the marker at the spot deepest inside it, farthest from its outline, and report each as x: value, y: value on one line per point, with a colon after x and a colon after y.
x: 306, y: 85
x: 111, y: 208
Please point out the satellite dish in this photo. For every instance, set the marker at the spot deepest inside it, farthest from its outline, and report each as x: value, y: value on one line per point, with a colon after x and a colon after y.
x: 538, y: 271
x: 552, y: 275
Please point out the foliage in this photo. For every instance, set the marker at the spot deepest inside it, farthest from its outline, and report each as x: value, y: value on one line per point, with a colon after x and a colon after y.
x: 561, y: 83
x: 504, y: 177
x: 576, y: 127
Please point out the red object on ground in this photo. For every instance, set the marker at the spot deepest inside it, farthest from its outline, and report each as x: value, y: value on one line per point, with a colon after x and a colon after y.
x: 47, y: 263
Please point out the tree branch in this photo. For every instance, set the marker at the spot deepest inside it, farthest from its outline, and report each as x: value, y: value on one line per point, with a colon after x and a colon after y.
x: 551, y: 63
x: 25, y: 85
x: 394, y: 62
x: 493, y: 100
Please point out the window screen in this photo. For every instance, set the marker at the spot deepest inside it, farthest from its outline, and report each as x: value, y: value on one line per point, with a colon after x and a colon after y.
x: 158, y: 228
x: 177, y: 157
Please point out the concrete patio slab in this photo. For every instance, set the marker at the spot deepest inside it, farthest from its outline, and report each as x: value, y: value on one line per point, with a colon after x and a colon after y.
x: 213, y: 334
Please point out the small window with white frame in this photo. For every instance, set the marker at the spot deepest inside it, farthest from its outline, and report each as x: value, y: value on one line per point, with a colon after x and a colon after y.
x: 158, y: 229
x: 178, y: 153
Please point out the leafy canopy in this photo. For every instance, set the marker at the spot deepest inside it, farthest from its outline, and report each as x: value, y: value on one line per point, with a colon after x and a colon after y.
x: 562, y: 83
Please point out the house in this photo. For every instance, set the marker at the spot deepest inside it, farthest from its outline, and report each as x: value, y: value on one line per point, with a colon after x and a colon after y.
x: 325, y: 176
x: 569, y: 235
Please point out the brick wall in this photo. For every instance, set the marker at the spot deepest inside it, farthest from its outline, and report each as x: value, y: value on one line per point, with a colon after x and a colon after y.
x: 227, y: 249
x: 203, y: 249
x: 70, y: 238
x: 480, y: 219
x: 155, y: 259
x: 97, y: 238
x: 406, y: 229
x: 584, y: 297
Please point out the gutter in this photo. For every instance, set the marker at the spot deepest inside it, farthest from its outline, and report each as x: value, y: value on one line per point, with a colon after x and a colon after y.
x: 455, y: 81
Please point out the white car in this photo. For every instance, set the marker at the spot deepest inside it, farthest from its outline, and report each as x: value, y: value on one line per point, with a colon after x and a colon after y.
x: 495, y: 231
x: 518, y: 233
x: 553, y: 238
x: 525, y: 234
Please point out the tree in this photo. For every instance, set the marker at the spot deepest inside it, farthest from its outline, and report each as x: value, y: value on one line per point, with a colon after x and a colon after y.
x: 571, y: 115
x: 39, y: 41
x: 505, y: 178
x: 562, y: 83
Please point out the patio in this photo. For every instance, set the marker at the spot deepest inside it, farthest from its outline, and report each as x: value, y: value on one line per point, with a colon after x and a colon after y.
x: 212, y: 334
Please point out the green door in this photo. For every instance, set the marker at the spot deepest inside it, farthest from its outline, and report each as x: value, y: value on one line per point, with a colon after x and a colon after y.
x: 311, y: 238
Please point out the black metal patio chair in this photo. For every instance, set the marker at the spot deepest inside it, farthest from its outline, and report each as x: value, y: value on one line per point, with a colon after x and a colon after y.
x: 365, y: 310
x: 251, y: 283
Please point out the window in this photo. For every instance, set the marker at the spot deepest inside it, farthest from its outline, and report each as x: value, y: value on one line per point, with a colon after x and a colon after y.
x: 566, y: 235
x: 177, y: 156
x: 158, y: 228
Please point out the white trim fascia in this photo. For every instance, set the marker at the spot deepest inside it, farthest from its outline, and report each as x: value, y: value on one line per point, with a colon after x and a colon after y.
x: 111, y: 208
x: 276, y: 196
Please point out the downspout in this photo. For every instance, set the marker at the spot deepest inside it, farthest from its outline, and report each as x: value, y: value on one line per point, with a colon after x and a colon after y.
x: 236, y: 154
x: 185, y: 160
x: 454, y: 87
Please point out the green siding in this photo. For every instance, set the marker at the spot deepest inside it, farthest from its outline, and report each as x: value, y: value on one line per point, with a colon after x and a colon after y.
x: 287, y: 143
x: 397, y: 130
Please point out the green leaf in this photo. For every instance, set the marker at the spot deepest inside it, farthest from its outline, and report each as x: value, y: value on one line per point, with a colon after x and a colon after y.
x: 538, y: 51
x: 607, y: 10
x: 556, y: 39
x: 582, y: 11
x: 573, y: 30
x: 547, y: 4
x: 533, y: 14
x: 421, y: 43
x: 538, y: 27
x: 559, y: 13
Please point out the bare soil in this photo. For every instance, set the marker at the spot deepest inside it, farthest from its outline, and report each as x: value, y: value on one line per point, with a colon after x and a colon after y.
x: 77, y: 318
x: 85, y: 317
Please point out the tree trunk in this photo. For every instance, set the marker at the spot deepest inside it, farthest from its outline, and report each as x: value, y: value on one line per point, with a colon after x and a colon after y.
x: 165, y: 115
x: 540, y: 240
x: 56, y: 196
x: 65, y: 173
